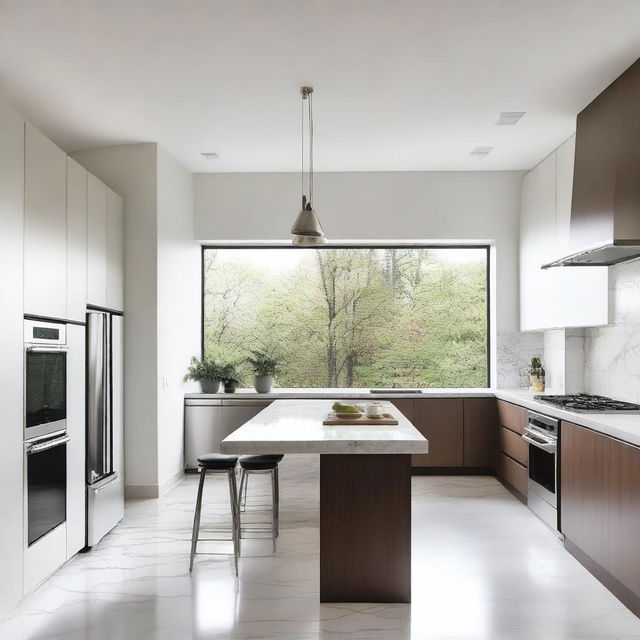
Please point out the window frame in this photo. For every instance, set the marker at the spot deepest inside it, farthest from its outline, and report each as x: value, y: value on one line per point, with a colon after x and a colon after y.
x: 354, y: 245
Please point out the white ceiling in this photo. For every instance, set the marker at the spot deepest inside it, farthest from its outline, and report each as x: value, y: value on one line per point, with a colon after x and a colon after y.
x: 399, y: 84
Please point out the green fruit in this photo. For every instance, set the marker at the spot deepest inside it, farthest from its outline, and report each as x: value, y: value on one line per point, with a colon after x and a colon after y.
x: 344, y: 408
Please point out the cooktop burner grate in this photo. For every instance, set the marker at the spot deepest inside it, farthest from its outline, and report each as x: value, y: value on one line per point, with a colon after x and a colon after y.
x: 584, y: 402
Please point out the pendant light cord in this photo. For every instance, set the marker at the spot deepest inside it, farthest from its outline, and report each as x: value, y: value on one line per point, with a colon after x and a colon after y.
x: 310, y: 98
x: 302, y: 150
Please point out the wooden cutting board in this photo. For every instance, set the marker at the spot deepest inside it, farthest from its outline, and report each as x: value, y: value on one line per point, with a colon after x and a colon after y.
x: 333, y: 420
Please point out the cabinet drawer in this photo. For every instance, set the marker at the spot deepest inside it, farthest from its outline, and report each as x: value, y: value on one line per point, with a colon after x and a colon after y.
x: 513, y: 445
x: 512, y: 416
x: 513, y: 473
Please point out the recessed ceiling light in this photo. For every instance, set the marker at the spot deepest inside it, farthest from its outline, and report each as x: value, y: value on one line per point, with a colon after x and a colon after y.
x: 510, y: 117
x: 210, y: 155
x: 481, y: 152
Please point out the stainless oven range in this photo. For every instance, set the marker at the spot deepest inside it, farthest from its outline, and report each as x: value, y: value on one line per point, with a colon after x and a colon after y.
x: 541, y: 433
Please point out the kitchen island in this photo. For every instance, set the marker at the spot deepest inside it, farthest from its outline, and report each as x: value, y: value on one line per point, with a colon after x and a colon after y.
x: 365, y: 493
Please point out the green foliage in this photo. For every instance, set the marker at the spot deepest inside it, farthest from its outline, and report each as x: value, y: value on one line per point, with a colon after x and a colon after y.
x: 230, y: 373
x: 205, y: 369
x: 536, y: 368
x: 350, y: 317
x: 263, y: 364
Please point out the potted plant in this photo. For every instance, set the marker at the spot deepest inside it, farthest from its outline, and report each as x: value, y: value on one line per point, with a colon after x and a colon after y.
x: 207, y: 372
x: 230, y: 377
x: 536, y: 374
x: 264, y: 367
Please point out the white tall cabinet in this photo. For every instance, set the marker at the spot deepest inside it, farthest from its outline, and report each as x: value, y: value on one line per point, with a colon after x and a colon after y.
x: 61, y: 248
x: 105, y: 238
x: 115, y: 251
x: 45, y: 226
x: 77, y: 177
x: 97, y: 243
x: 11, y: 361
x: 563, y: 296
x: 76, y: 470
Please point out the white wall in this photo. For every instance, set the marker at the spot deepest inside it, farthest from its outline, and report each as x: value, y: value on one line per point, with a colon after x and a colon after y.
x: 178, y: 295
x: 131, y: 171
x: 11, y: 355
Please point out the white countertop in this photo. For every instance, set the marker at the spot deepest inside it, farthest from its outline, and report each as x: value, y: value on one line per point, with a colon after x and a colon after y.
x: 342, y: 393
x: 295, y: 426
x: 624, y: 426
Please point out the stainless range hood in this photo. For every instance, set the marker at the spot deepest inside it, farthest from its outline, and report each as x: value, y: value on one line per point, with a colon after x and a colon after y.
x: 605, y: 205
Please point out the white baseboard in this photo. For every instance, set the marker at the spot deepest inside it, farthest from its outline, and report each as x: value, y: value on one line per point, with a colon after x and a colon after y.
x: 153, y: 490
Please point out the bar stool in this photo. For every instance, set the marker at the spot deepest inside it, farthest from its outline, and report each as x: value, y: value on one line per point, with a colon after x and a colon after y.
x: 217, y: 463
x: 261, y: 464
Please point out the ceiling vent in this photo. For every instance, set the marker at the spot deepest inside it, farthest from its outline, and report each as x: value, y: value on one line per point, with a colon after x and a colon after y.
x: 481, y: 152
x: 510, y: 117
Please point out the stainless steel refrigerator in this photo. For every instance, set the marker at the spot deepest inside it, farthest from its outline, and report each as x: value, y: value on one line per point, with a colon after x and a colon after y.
x: 105, y: 456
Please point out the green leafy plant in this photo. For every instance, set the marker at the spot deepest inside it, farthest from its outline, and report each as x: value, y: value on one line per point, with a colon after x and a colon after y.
x: 263, y: 364
x: 205, y: 369
x: 229, y: 373
x: 536, y: 368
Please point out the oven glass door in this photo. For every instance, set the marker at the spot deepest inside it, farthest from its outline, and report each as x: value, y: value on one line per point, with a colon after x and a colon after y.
x: 542, y: 468
x: 46, y: 487
x: 45, y: 387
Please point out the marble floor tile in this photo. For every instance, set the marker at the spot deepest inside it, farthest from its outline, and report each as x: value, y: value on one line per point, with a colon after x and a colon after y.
x: 484, y: 568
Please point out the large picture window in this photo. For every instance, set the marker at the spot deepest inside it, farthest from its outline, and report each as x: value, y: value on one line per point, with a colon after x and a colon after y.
x: 351, y: 316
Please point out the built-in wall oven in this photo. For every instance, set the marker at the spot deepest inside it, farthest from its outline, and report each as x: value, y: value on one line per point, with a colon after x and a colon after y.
x: 542, y: 433
x: 45, y: 424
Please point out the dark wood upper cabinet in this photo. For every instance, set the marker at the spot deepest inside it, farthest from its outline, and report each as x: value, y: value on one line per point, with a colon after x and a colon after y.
x: 606, y: 189
x: 480, y: 432
x: 440, y: 421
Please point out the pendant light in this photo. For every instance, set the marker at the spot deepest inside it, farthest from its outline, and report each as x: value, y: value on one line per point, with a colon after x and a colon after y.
x: 307, y: 229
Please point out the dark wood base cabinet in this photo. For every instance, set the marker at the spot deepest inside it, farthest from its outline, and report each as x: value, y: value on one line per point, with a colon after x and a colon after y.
x: 600, y: 508
x: 513, y: 456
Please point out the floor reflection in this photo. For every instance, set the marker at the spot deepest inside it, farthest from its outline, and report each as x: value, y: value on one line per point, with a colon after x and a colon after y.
x: 483, y: 569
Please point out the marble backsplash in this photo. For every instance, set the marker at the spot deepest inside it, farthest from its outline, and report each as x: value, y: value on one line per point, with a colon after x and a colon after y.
x: 514, y: 352
x: 612, y: 353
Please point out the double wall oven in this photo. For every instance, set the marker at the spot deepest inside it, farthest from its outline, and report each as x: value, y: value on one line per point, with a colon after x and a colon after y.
x: 45, y: 427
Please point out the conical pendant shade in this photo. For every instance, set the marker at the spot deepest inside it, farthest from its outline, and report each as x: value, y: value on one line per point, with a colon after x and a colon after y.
x: 307, y: 224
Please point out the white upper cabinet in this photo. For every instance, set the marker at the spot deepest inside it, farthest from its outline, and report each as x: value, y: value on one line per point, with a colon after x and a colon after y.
x: 115, y: 251
x: 76, y: 241
x: 552, y: 298
x: 45, y: 227
x: 97, y: 243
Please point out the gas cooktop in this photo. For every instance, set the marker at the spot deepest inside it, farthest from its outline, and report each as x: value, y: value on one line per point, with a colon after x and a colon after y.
x: 585, y: 403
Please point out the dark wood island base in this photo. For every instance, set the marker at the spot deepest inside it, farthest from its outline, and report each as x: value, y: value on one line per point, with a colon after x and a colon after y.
x: 365, y: 528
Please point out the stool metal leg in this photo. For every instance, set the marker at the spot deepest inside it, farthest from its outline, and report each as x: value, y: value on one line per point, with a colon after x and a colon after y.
x: 196, y: 519
x: 233, y: 500
x: 244, y: 483
x: 273, y: 508
x: 277, y: 500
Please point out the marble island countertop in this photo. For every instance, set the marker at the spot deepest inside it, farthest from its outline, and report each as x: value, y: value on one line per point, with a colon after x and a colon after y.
x: 343, y: 393
x: 295, y: 426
